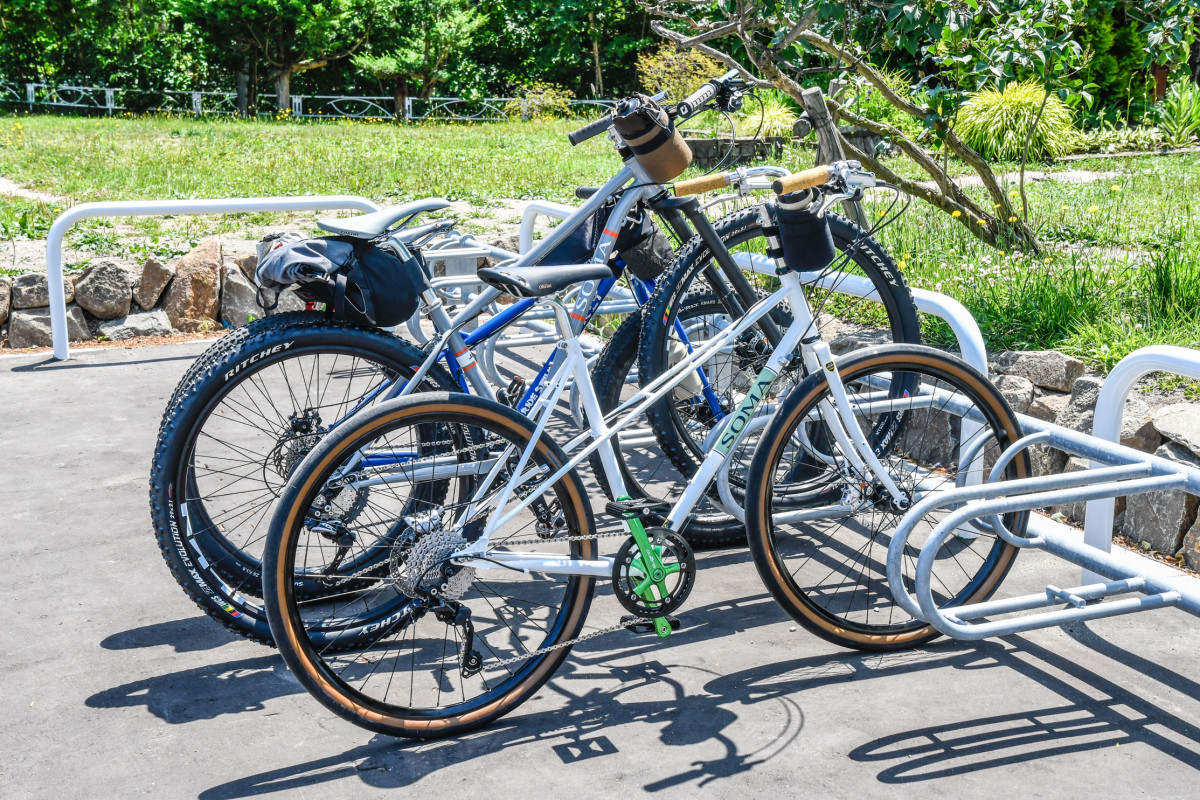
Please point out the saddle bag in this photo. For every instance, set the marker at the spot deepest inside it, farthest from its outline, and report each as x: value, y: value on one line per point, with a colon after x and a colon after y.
x: 650, y: 134
x: 356, y: 280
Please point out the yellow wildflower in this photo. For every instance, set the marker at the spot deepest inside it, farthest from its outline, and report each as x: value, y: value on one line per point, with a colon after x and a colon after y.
x: 1013, y: 193
x: 956, y: 213
x: 1012, y: 219
x: 1093, y: 209
x: 1114, y: 188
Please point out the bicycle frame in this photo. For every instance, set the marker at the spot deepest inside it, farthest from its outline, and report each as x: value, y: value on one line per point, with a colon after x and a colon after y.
x: 814, y: 352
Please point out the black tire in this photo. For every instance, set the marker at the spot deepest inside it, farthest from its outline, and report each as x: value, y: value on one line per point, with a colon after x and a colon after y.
x: 429, y: 700
x: 681, y: 435
x: 231, y: 340
x: 218, y: 573
x: 828, y: 571
x: 644, y: 474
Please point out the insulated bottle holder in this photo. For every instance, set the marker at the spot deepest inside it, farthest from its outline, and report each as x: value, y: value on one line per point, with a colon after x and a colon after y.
x: 804, y: 235
x: 648, y: 131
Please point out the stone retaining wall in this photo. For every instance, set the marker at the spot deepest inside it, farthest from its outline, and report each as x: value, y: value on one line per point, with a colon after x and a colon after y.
x: 1054, y: 387
x: 117, y: 299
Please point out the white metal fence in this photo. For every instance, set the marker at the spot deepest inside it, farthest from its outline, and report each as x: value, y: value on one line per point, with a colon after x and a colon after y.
x: 111, y: 100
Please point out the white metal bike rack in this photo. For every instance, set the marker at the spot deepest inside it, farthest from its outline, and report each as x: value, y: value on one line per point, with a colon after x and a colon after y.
x: 158, y: 208
x: 1114, y: 582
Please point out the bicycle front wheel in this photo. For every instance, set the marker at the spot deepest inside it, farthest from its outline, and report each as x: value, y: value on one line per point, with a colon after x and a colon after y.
x: 441, y: 649
x: 819, y: 532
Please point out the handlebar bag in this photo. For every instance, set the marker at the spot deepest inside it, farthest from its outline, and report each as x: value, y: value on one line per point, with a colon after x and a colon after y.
x: 649, y: 133
x: 356, y: 280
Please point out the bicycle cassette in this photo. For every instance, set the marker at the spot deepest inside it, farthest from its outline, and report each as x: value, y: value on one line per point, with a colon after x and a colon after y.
x: 660, y: 593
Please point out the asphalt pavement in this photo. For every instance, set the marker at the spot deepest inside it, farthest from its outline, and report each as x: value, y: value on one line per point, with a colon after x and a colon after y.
x: 115, y: 685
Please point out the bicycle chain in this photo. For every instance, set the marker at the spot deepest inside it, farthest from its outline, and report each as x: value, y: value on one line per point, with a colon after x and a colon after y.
x: 541, y: 651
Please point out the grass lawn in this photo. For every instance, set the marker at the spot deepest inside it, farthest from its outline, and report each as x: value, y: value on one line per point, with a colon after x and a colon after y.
x: 1122, y: 271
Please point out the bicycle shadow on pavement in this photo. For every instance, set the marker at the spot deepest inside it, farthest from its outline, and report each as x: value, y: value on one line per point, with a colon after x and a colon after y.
x: 1098, y: 713
x: 576, y: 731
x: 239, y: 686
x: 205, y: 692
x: 184, y: 635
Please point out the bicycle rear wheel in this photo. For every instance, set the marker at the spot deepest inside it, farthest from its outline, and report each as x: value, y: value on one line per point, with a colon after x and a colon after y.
x: 462, y: 646
x: 819, y: 532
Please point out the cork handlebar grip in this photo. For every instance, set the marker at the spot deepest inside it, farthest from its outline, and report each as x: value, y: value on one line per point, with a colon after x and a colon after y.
x: 802, y: 180
x: 705, y: 183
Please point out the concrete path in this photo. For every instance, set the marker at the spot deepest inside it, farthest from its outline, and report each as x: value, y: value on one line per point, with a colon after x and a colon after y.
x: 116, y: 686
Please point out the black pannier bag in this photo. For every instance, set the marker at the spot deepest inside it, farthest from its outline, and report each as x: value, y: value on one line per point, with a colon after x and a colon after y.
x: 640, y: 244
x: 356, y: 280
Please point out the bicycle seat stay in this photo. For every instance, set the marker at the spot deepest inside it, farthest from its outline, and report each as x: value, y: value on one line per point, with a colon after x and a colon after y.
x: 377, y: 223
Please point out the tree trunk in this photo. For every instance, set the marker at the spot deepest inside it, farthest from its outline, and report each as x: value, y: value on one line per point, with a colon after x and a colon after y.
x: 400, y: 98
x: 596, y: 55
x: 252, y: 94
x: 283, y: 88
x: 243, y: 91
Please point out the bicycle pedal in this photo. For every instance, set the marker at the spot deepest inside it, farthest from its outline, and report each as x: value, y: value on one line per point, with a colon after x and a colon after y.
x: 513, y: 394
x: 632, y: 509
x: 640, y: 626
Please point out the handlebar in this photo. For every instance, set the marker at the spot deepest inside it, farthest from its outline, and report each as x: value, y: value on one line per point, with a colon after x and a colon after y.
x: 696, y: 100
x: 705, y: 183
x: 591, y: 129
x: 727, y: 83
x: 803, y: 180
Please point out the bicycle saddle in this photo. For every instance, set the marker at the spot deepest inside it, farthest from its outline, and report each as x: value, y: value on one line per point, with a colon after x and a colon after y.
x: 368, y: 226
x: 541, y: 281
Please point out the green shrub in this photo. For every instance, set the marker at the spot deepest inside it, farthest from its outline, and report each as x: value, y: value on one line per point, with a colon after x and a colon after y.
x: 540, y: 101
x: 1179, y: 113
x: 1110, y: 138
x: 869, y: 102
x: 996, y: 123
x: 776, y: 115
x: 678, y: 73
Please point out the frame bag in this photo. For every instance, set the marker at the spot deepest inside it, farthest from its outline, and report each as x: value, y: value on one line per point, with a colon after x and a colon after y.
x: 356, y: 280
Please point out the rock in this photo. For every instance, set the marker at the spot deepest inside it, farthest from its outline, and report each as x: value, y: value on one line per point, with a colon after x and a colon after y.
x: 192, y: 301
x: 930, y: 438
x: 1081, y: 408
x: 1137, y: 426
x: 247, y: 264
x: 1162, y: 518
x: 1048, y: 369
x: 288, y: 301
x: 238, y: 297
x: 104, y: 291
x: 32, y: 328
x: 1074, y: 511
x: 5, y: 298
x: 1048, y: 406
x: 155, y: 277
x: 856, y: 339
x: 1191, y: 547
x: 145, y: 323
x: 1180, y: 422
x: 510, y: 243
x: 1017, y: 391
x: 32, y: 291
